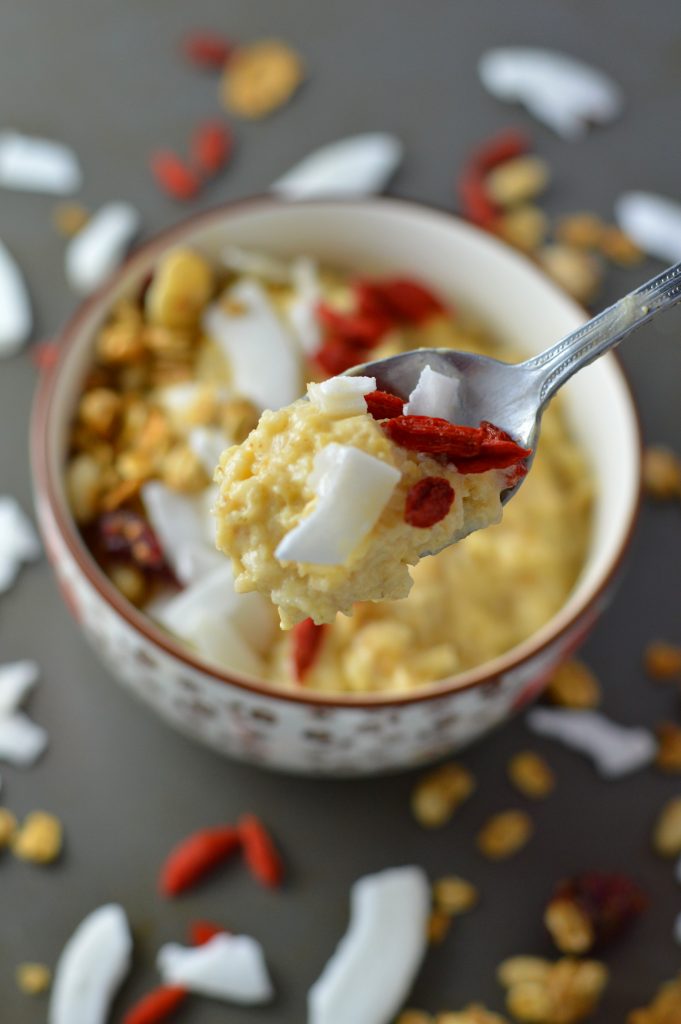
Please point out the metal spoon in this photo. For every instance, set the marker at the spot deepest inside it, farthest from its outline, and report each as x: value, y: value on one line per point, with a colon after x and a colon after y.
x: 514, y: 395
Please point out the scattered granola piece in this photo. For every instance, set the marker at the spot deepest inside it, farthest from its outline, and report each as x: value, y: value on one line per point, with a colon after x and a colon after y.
x: 616, y: 750
x: 667, y: 832
x: 69, y: 218
x: 260, y: 78
x: 552, y: 993
x: 517, y: 181
x: 665, y: 1007
x: 438, y: 794
x: 663, y: 660
x: 474, y: 1013
x: 578, y: 272
x: 517, y: 969
x: 414, y: 1017
x: 8, y: 827
x: 39, y: 839
x: 574, y: 685
x: 439, y: 923
x: 580, y: 230
x: 525, y: 227
x: 661, y: 473
x: 504, y: 834
x: 668, y: 758
x: 591, y: 909
x: 618, y: 247
x: 33, y: 979
x: 531, y: 775
x: 454, y: 895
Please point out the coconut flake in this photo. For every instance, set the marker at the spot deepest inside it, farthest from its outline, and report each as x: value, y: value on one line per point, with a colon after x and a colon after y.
x: 182, y: 528
x: 360, y: 165
x: 262, y: 354
x: 208, y: 444
x: 257, y: 264
x: 352, y: 490
x: 435, y: 394
x: 562, y: 92
x: 33, y: 164
x: 100, y: 246
x: 21, y: 740
x: 653, y: 222
x: 615, y: 749
x: 302, y: 309
x: 341, y: 396
x: 229, y: 967
x: 374, y: 966
x: 91, y: 967
x: 18, y: 541
x: 16, y: 319
x: 17, y: 679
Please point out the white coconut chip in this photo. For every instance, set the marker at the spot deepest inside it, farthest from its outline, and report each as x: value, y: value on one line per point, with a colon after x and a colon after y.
x: 208, y: 444
x: 16, y: 318
x: 21, y: 741
x: 653, y: 222
x: 262, y: 354
x: 98, y: 248
x: 360, y: 165
x: 33, y: 164
x: 18, y: 541
x: 374, y: 966
x: 615, y: 750
x: 91, y: 967
x: 257, y: 264
x: 180, y: 523
x: 17, y: 679
x: 229, y: 967
x: 302, y: 309
x: 559, y: 90
x: 341, y: 396
x: 435, y: 394
x: 352, y: 490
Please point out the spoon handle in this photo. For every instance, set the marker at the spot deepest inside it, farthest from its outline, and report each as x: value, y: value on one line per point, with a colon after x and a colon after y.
x: 557, y: 364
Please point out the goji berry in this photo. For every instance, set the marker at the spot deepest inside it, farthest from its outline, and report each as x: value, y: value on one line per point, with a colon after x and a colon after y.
x: 173, y: 176
x: 476, y: 204
x: 306, y: 638
x: 128, y: 534
x: 201, y: 932
x: 337, y: 354
x: 211, y: 146
x: 506, y: 145
x: 382, y: 405
x: 608, y: 902
x: 260, y: 853
x: 207, y: 50
x: 156, y: 1005
x: 196, y: 856
x: 361, y: 328
x: 428, y: 501
x: 399, y: 299
x: 433, y: 436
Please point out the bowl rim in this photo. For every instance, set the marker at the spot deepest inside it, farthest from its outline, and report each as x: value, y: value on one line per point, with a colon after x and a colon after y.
x: 44, y: 482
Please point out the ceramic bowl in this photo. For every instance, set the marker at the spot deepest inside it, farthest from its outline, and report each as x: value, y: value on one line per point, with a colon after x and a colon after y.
x: 347, y: 735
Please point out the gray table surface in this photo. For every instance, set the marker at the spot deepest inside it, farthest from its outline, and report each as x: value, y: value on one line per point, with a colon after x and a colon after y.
x: 103, y: 75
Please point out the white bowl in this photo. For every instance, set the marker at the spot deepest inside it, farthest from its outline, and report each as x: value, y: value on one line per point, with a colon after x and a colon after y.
x: 313, y: 732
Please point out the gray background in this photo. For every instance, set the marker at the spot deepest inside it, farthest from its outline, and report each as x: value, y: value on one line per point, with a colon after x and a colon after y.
x: 105, y: 77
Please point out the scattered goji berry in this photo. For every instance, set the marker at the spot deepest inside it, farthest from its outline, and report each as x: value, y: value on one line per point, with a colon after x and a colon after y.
x: 592, y: 908
x: 306, y: 637
x: 506, y: 145
x: 211, y: 146
x: 207, y: 50
x: 196, y: 856
x: 173, y: 176
x: 260, y: 853
x: 476, y: 204
x: 382, y: 405
x: 126, y: 533
x: 201, y: 932
x: 399, y: 299
x: 156, y: 1005
x: 428, y: 501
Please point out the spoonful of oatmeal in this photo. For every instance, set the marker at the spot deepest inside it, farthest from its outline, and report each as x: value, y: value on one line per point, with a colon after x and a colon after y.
x: 330, y: 499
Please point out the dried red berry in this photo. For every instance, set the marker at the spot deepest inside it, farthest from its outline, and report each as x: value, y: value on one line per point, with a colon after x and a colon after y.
x: 382, y: 405
x: 207, y: 50
x: 211, y: 146
x: 337, y: 354
x: 360, y: 328
x: 196, y: 856
x: 127, y: 534
x: 592, y: 908
x: 399, y: 299
x: 156, y: 1005
x: 306, y: 638
x: 428, y: 501
x: 260, y: 853
x: 476, y: 205
x: 433, y: 436
x: 173, y: 176
x: 506, y: 145
x: 201, y: 932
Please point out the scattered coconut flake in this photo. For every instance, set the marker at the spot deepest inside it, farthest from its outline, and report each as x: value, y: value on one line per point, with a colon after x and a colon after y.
x: 91, y: 967
x: 374, y: 966
x: 435, y: 394
x: 360, y: 165
x: 33, y: 164
x: 562, y: 92
x: 653, y: 222
x: 100, y: 246
x: 18, y: 541
x: 258, y: 264
x: 302, y: 309
x: 341, y: 396
x: 229, y: 967
x: 208, y: 443
x: 179, y: 522
x: 352, y: 490
x: 615, y: 749
x: 262, y: 354
x: 17, y: 679
x: 16, y: 318
x: 21, y: 740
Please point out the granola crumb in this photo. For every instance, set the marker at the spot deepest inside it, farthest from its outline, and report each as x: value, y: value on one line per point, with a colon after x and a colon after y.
x: 591, y: 908
x: 39, y: 839
x: 661, y: 473
x: 518, y: 180
x: 667, y: 832
x: 439, y: 793
x: 69, y: 218
x: 574, y: 685
x: 439, y: 923
x: 663, y: 660
x: 582, y: 230
x: 569, y: 926
x: 474, y: 1013
x: 665, y: 1007
x: 33, y: 979
x: 8, y: 827
x: 540, y: 992
x: 575, y: 270
x: 414, y: 1017
x: 260, y: 78
x: 531, y: 775
x: 454, y: 895
x: 668, y: 757
x: 504, y: 834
